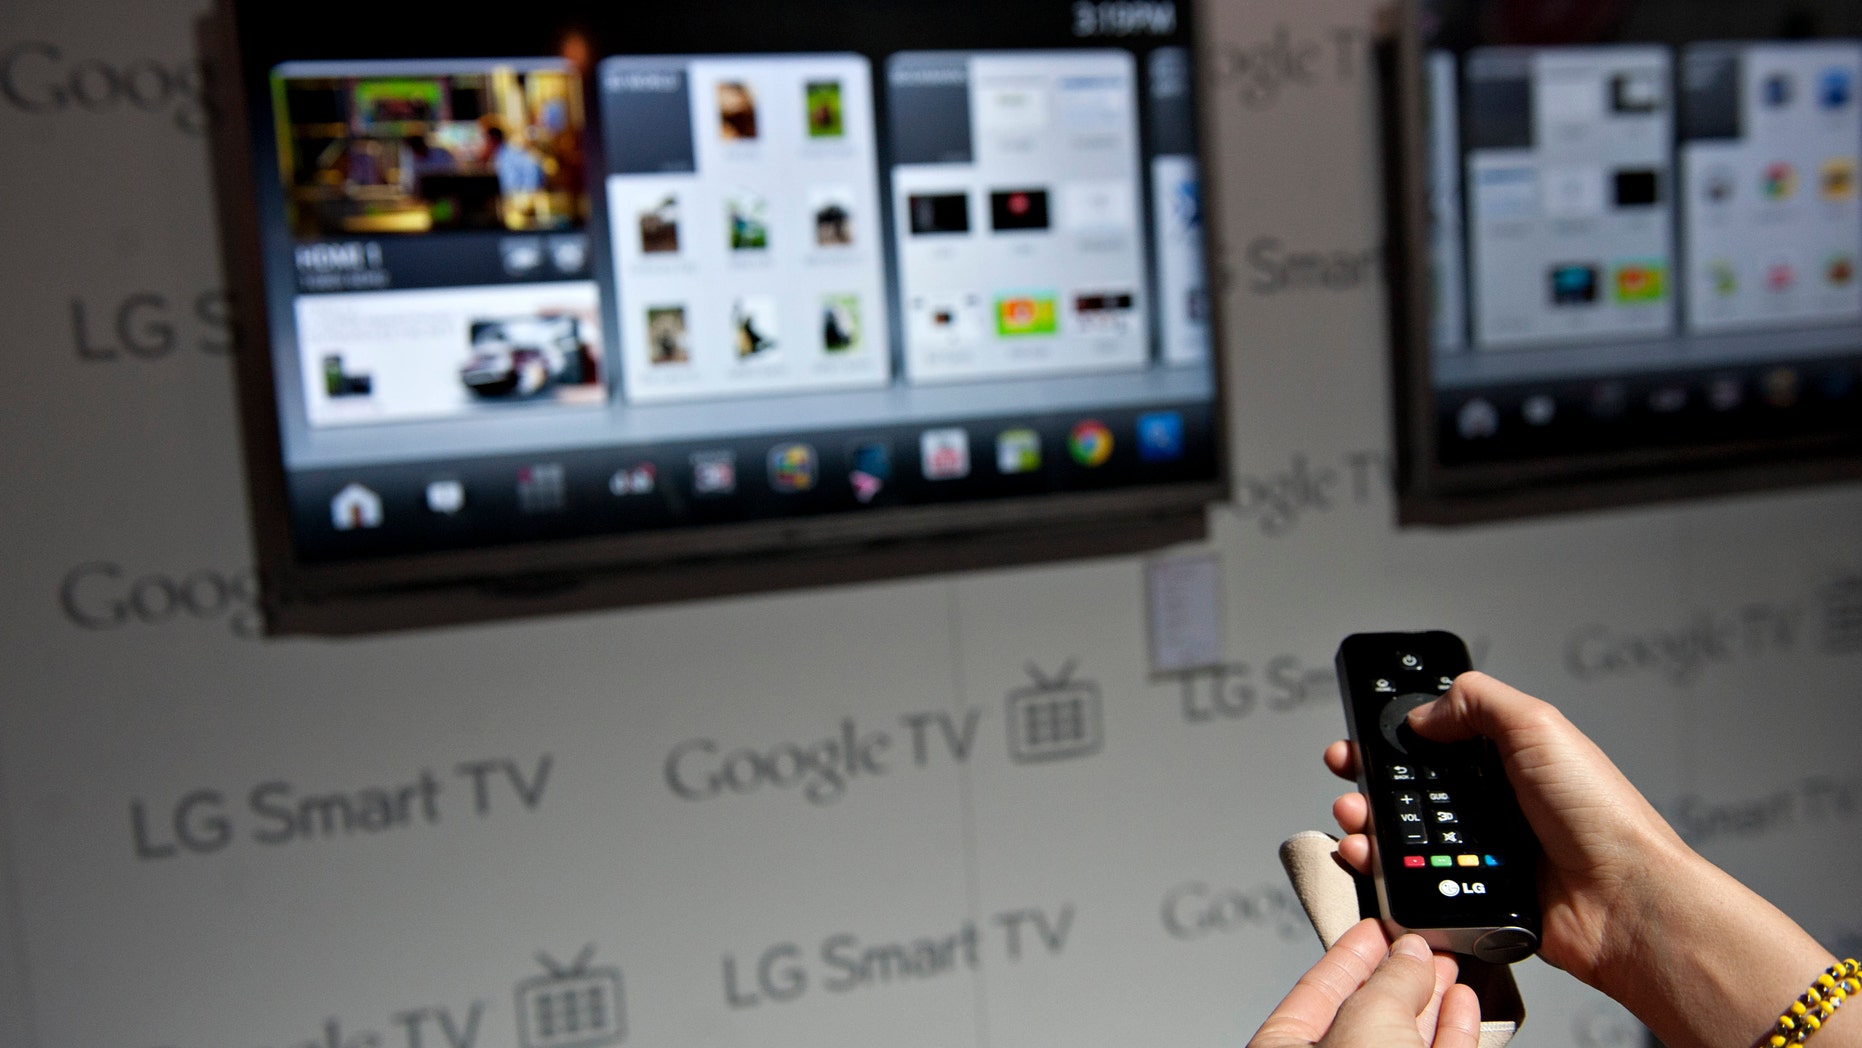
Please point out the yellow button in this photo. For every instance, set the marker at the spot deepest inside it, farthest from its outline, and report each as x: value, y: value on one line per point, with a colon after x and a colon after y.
x: 1467, y: 860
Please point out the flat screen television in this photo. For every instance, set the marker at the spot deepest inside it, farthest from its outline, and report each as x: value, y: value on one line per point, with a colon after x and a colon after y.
x: 1625, y: 250
x: 594, y: 304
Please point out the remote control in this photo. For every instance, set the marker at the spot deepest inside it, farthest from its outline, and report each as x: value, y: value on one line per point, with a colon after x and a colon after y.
x: 1452, y: 858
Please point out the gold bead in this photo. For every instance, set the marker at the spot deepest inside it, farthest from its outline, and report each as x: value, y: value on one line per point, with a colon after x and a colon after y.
x: 1786, y: 1024
x: 1826, y: 980
x: 1778, y: 1040
x: 1798, y: 1007
x: 1812, y: 1023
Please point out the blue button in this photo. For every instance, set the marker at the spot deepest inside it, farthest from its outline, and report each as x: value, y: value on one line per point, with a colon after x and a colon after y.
x: 1493, y: 860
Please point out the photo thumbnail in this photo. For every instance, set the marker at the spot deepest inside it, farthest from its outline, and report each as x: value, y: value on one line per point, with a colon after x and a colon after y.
x: 497, y: 147
x: 753, y: 325
x: 659, y: 226
x: 666, y: 336
x: 825, y: 119
x: 736, y: 111
x: 840, y: 323
x: 832, y: 207
x: 746, y: 216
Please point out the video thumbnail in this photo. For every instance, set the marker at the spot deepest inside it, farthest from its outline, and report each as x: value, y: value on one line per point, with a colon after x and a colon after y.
x: 497, y: 148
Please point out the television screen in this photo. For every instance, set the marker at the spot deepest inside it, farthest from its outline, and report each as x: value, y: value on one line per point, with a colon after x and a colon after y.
x: 1629, y: 232
x: 654, y: 303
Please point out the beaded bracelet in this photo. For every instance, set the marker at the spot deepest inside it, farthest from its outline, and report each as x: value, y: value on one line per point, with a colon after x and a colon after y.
x: 1809, y: 1012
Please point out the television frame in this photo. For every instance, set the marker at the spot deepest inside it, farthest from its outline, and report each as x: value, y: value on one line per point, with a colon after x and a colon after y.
x: 623, y: 570
x: 1429, y: 493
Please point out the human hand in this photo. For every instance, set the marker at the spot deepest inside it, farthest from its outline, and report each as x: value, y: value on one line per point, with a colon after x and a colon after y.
x: 1367, y: 993
x: 1604, y: 844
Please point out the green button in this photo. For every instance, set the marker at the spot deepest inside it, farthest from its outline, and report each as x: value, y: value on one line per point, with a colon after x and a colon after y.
x: 1441, y: 860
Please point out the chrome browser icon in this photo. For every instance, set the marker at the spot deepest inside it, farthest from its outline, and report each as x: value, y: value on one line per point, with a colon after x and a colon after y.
x: 1090, y: 443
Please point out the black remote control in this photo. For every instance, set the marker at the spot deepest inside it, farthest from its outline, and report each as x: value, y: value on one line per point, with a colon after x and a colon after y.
x: 1451, y: 856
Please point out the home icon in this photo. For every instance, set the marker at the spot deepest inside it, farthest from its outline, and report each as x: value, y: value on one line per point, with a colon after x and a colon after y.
x: 355, y: 507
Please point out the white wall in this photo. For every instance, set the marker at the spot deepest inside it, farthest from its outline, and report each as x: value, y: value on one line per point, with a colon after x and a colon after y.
x: 1739, y: 715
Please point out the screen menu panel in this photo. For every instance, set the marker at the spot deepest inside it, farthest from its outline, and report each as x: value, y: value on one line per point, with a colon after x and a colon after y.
x: 1567, y: 160
x: 439, y: 253
x: 1642, y: 245
x: 1771, y: 151
x: 1016, y: 191
x: 519, y: 300
x: 743, y: 198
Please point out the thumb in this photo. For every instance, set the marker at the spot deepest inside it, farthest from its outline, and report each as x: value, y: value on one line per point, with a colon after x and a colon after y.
x: 1384, y: 1010
x: 1481, y: 705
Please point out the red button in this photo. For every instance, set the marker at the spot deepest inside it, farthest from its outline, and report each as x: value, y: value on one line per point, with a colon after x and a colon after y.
x: 1413, y: 861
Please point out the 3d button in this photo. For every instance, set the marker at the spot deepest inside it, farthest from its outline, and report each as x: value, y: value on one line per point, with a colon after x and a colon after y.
x: 1443, y: 817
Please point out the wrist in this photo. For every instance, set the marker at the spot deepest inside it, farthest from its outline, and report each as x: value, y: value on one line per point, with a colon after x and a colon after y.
x: 1702, y: 960
x: 1653, y: 921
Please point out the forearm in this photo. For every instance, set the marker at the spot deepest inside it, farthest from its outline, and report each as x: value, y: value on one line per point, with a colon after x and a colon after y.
x: 1711, y: 964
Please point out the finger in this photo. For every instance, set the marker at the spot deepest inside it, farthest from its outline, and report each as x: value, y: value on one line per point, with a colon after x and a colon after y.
x: 1392, y: 998
x: 1355, y: 849
x: 1342, y: 759
x: 1459, y: 1023
x: 1352, y: 812
x: 1307, y: 1012
x: 1445, y: 971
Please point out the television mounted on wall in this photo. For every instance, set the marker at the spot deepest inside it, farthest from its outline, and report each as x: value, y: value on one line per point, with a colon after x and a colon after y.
x: 595, y: 305
x: 1625, y: 245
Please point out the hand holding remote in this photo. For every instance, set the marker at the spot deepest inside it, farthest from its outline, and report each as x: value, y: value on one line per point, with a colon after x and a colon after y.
x: 1627, y: 906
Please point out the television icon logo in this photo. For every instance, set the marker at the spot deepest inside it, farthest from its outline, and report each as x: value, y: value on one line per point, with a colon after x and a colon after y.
x: 944, y: 453
x: 1160, y: 437
x: 1055, y: 718
x: 356, y: 508
x: 1018, y: 451
x: 571, y: 1007
x: 793, y: 468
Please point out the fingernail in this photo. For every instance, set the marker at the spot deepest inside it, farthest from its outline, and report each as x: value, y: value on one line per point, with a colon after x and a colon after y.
x: 1421, y: 713
x: 1411, y: 946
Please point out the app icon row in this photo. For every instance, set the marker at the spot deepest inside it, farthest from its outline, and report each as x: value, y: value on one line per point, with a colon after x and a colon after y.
x: 944, y: 454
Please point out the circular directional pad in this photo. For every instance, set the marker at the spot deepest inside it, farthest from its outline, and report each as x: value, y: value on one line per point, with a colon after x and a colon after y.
x: 1393, y: 723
